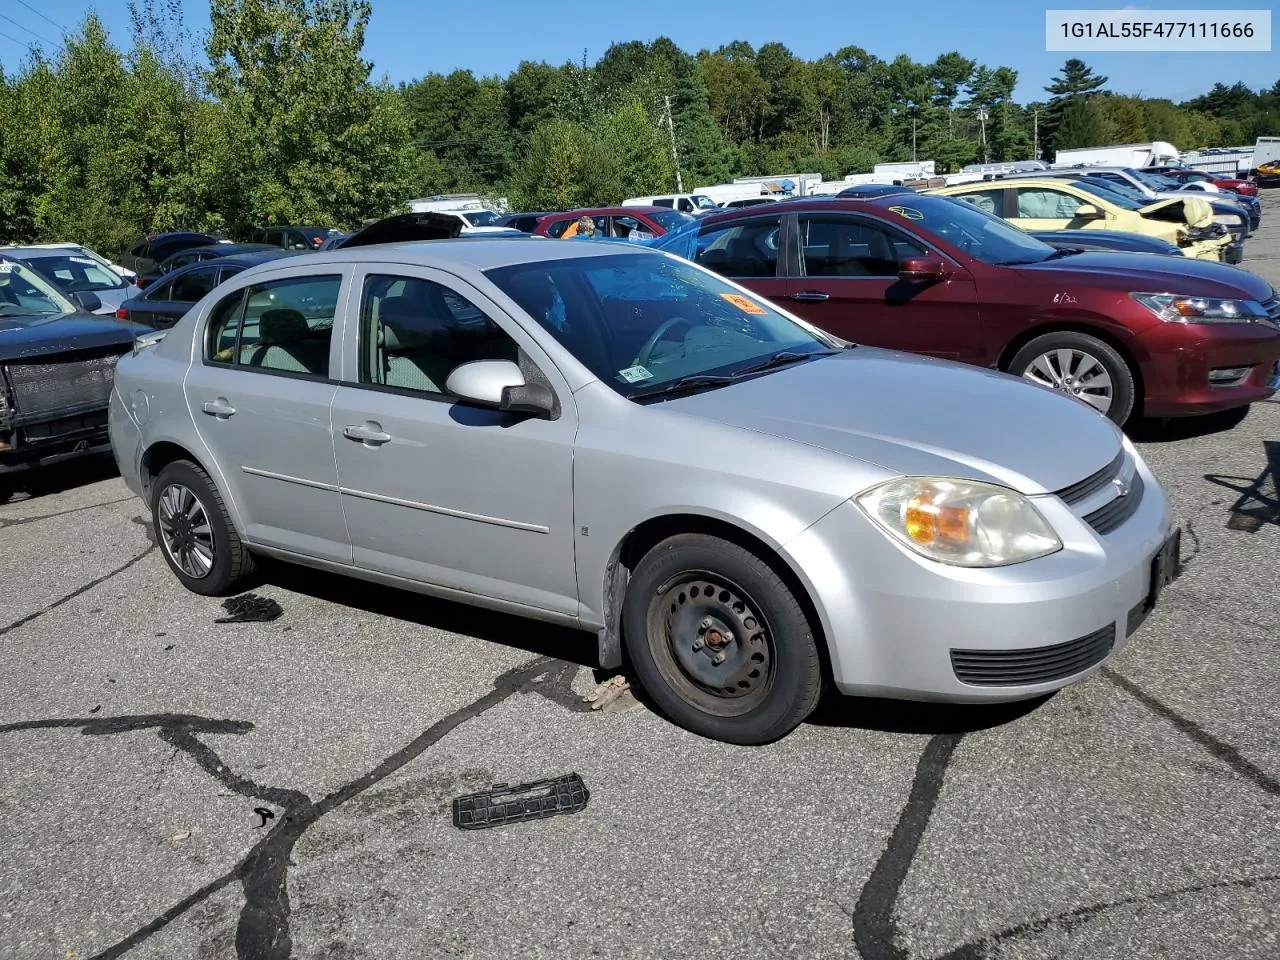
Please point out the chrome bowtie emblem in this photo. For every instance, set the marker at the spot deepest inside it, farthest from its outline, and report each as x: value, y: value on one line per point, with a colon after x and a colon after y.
x: 1121, y: 485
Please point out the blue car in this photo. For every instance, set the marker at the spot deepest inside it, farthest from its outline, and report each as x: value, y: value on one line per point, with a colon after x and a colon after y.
x: 165, y: 301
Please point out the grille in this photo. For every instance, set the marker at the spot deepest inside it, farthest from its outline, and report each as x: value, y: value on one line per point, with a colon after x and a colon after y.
x: 1017, y: 668
x: 58, y: 385
x: 1272, y: 307
x: 1110, y: 517
x: 1092, y: 483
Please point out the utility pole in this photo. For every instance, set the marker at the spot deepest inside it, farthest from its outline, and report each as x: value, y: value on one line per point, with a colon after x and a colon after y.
x: 913, y: 139
x: 982, y: 119
x: 675, y: 160
x: 1035, y: 136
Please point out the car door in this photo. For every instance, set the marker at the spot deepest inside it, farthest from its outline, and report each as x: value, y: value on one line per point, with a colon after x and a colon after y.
x: 847, y: 283
x: 747, y: 251
x: 434, y: 489
x: 260, y: 393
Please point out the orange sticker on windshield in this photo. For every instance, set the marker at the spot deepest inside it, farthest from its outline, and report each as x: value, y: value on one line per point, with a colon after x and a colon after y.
x: 743, y: 304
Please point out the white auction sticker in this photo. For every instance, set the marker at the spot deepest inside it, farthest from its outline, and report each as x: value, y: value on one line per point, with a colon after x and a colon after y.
x: 1163, y: 31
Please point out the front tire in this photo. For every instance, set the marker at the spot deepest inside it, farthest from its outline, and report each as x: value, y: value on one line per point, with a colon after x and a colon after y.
x: 1081, y: 366
x: 719, y: 641
x: 195, y: 533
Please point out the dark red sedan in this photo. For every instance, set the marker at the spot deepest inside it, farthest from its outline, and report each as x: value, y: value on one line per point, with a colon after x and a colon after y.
x: 617, y: 223
x: 1246, y: 188
x: 1127, y: 333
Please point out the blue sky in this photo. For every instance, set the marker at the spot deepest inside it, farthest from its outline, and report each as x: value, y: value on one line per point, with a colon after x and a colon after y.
x: 408, y: 38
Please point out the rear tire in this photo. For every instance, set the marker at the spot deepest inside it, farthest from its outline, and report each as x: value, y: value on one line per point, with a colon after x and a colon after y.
x: 695, y: 598
x: 1054, y: 359
x: 195, y: 532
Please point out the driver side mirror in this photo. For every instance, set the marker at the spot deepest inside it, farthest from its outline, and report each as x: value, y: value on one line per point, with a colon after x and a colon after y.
x: 500, y: 384
x: 923, y: 270
x: 1087, y: 211
x: 86, y: 300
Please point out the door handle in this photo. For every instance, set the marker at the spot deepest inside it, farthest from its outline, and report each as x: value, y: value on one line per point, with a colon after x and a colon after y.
x: 369, y: 433
x: 811, y: 296
x: 219, y: 408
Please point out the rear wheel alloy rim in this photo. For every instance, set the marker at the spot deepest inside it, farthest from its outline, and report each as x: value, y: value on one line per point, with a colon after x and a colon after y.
x: 185, y: 531
x: 1073, y: 372
x: 715, y: 643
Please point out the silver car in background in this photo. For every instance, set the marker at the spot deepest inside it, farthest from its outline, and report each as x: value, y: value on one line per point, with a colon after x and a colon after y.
x: 77, y: 272
x: 620, y: 441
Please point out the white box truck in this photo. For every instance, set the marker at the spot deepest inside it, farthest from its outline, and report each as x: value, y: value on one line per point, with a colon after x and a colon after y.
x: 1138, y: 155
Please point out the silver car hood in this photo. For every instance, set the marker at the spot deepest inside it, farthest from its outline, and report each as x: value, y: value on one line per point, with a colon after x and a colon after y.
x: 913, y: 415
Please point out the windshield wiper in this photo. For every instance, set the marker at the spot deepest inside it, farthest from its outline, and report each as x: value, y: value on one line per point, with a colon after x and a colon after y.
x: 1064, y: 252
x: 684, y: 384
x: 781, y: 358
x: 711, y: 380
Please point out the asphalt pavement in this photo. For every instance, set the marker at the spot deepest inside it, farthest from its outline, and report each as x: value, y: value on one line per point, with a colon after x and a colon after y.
x: 174, y: 787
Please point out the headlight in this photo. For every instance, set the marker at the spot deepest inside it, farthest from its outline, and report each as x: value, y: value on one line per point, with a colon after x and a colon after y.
x: 1173, y: 308
x: 961, y: 522
x: 1227, y: 219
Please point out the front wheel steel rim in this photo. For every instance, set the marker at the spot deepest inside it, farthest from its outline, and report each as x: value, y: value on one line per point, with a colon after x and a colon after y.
x: 185, y: 531
x: 712, y: 642
x: 1075, y: 373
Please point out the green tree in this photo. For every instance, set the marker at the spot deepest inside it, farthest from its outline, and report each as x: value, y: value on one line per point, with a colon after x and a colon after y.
x: 1082, y: 125
x: 315, y: 140
x: 1076, y: 78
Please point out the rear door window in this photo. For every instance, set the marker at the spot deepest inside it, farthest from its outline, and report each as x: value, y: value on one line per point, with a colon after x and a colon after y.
x: 741, y: 249
x: 194, y: 284
x: 287, y: 325
x: 837, y: 246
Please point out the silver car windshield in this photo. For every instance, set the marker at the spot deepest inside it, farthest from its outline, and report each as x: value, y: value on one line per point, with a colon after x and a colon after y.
x: 639, y: 321
x: 24, y: 293
x: 74, y: 272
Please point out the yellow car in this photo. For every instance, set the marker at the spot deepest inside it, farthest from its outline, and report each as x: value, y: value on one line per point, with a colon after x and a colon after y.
x: 1268, y: 170
x: 1052, y: 204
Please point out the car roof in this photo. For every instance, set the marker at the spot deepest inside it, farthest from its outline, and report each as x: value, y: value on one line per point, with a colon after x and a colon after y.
x: 39, y: 252
x: 245, y: 259
x: 823, y: 204
x: 478, y: 253
x: 216, y: 247
x: 623, y: 211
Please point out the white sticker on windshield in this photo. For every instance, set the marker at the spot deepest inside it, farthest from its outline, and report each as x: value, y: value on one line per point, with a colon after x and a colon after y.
x: 635, y: 374
x: 6, y: 266
x: 84, y: 260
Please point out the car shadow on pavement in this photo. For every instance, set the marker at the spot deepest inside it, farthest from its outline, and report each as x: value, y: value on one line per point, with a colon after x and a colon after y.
x: 574, y: 646
x: 56, y: 478
x: 907, y: 716
x: 1173, y: 429
x: 1259, y: 500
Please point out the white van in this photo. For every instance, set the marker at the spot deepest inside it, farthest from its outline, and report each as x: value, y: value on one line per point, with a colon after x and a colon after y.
x: 694, y: 204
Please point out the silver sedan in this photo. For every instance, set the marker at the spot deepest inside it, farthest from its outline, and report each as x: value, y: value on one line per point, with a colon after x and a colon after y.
x: 737, y: 504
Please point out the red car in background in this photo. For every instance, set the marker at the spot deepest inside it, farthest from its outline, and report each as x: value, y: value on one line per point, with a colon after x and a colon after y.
x: 1127, y: 333
x: 1246, y: 188
x: 618, y: 223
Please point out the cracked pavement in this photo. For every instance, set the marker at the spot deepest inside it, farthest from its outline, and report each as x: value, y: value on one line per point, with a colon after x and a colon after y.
x: 1135, y: 815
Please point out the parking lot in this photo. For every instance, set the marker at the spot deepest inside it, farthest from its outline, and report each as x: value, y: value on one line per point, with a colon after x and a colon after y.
x: 175, y: 787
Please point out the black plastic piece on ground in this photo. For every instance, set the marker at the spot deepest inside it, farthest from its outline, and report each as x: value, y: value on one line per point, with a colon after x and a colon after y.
x: 528, y: 801
x: 249, y: 608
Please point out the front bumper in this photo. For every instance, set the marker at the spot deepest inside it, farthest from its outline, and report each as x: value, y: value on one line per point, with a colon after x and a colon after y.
x: 893, y: 619
x: 31, y: 442
x: 1180, y: 357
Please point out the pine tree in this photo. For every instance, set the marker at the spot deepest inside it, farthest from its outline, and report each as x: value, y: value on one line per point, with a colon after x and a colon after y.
x: 1077, y: 78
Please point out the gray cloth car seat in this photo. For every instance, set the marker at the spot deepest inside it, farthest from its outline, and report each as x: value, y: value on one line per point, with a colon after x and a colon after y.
x: 284, y: 343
